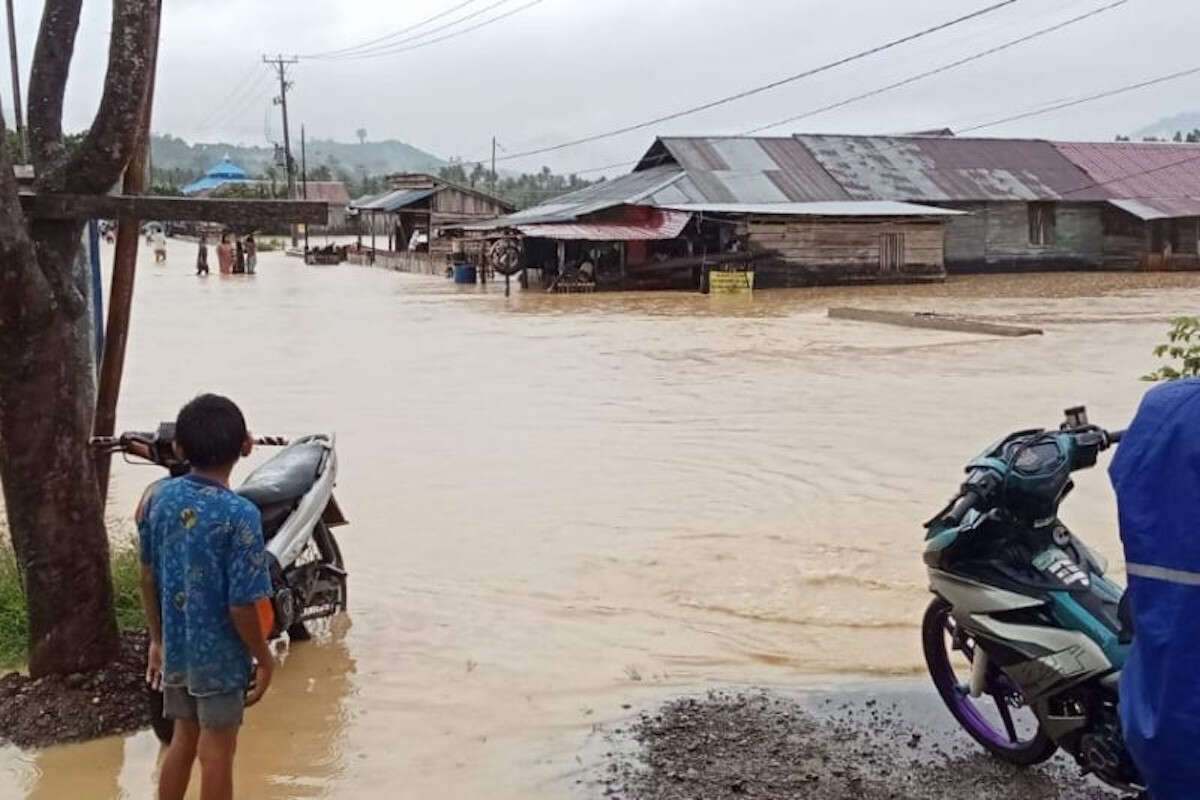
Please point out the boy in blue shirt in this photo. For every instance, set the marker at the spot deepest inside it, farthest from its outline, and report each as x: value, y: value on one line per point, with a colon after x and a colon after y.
x: 204, y: 568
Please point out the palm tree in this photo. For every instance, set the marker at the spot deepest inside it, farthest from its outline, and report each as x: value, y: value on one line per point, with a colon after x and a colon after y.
x: 361, y: 133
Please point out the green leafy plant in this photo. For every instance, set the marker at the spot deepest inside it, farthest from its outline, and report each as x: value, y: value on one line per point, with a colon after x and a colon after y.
x: 1182, y: 348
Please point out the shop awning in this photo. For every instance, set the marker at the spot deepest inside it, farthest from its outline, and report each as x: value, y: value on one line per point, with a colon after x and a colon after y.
x: 651, y: 224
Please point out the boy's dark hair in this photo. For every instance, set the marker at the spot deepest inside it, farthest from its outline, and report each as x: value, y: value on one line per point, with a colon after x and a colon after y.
x: 211, y: 430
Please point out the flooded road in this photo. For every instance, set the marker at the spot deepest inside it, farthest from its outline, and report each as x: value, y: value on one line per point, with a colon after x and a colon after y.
x: 563, y: 504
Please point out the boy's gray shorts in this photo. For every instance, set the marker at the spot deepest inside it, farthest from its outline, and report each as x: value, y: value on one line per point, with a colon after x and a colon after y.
x: 212, y: 711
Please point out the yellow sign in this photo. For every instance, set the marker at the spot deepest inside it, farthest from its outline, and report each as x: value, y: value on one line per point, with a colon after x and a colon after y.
x: 731, y: 282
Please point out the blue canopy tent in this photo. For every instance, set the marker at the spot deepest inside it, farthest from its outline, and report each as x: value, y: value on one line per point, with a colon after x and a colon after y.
x: 218, y: 175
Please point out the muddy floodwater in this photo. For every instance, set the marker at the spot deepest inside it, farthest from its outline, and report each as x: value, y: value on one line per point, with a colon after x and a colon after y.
x: 563, y: 505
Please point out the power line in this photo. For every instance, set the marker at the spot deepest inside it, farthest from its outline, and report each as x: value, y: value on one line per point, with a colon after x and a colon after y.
x: 1090, y: 98
x: 939, y: 70
x: 398, y: 46
x: 463, y: 31
x: 238, y: 103
x: 768, y: 86
x: 1023, y: 115
x: 392, y: 35
x: 239, y: 87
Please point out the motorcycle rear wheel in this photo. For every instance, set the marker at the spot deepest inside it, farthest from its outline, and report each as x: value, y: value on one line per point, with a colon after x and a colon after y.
x: 938, y: 634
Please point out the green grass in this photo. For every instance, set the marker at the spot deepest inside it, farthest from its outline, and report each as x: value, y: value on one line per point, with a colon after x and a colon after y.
x: 14, y: 631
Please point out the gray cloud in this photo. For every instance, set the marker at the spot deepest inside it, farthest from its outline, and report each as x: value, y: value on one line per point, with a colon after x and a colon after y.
x: 567, y: 68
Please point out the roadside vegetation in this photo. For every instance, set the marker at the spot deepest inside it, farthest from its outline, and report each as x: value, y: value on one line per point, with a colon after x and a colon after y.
x: 14, y: 628
x: 1181, y: 351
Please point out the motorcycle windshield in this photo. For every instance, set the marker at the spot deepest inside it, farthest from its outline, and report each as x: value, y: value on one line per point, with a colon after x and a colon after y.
x: 1156, y: 475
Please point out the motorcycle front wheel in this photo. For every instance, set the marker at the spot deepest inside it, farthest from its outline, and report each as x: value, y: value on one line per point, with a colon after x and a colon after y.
x: 990, y: 719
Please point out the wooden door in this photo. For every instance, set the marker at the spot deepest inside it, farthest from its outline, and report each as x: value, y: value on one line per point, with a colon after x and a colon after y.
x: 891, y: 252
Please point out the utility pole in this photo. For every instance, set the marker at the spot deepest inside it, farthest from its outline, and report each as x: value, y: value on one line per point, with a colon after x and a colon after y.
x: 493, y: 175
x: 304, y: 181
x: 18, y: 113
x: 281, y: 64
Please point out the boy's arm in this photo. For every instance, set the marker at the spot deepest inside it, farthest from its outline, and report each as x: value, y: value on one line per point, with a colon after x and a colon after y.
x: 249, y: 628
x: 149, y: 589
x: 249, y: 582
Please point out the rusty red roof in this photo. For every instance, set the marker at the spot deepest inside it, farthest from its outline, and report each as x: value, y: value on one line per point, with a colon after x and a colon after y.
x: 1139, y: 170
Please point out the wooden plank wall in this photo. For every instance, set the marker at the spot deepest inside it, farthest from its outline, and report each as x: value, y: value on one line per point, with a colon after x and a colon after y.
x: 795, y: 251
x: 995, y: 237
x: 451, y: 202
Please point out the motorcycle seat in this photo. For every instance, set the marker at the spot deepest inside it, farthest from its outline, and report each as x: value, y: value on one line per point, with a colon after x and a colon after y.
x: 286, y: 477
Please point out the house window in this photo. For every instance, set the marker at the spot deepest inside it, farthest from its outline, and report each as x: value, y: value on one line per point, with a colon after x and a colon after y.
x: 1041, y: 223
x: 891, y: 252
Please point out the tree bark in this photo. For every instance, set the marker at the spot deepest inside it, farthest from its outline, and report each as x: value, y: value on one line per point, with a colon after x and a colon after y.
x: 47, y: 364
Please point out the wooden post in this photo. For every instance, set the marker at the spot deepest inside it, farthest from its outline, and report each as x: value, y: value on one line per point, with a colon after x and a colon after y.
x: 304, y: 182
x: 18, y: 112
x: 120, y: 300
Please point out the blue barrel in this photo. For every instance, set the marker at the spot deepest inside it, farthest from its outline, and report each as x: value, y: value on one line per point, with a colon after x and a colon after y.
x: 464, y: 273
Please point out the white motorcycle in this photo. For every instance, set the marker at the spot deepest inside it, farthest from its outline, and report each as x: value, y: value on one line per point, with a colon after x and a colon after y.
x: 294, y: 493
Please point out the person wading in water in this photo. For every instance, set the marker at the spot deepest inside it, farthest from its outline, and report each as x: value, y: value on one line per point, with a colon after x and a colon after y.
x: 251, y: 248
x: 225, y: 255
x: 202, y: 256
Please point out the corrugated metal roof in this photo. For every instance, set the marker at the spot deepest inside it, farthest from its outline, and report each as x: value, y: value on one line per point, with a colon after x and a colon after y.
x: 834, y: 208
x: 950, y: 169
x: 332, y: 192
x: 654, y: 224
x: 625, y: 190
x: 732, y: 169
x: 394, y: 201
x: 1139, y: 170
x: 1149, y: 208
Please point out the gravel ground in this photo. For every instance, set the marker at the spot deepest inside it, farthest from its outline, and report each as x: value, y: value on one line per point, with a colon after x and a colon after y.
x: 57, y: 709
x: 860, y: 745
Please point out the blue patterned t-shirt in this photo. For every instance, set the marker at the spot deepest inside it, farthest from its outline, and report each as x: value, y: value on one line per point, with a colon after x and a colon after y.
x: 205, y: 546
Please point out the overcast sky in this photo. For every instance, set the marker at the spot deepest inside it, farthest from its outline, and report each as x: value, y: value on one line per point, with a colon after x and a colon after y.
x: 562, y: 69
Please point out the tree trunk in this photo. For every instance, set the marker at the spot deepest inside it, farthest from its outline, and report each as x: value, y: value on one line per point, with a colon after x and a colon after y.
x: 55, y: 518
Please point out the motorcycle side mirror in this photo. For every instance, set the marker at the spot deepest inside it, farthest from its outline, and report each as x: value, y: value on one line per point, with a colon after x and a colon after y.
x: 1076, y: 418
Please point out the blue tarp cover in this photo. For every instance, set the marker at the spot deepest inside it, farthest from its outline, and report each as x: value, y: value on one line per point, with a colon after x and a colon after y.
x: 1156, y: 474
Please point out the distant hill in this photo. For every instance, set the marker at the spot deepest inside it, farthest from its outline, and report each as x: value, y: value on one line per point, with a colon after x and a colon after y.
x: 1165, y: 128
x: 173, y: 154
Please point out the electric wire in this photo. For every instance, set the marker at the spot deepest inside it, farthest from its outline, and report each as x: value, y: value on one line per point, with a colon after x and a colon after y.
x: 765, y: 87
x: 462, y: 31
x: 1088, y: 99
x: 939, y: 70
x: 392, y: 35
x: 399, y: 46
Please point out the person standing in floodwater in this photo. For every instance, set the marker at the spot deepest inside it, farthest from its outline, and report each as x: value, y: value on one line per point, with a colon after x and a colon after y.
x: 239, y: 258
x: 160, y: 247
x: 202, y: 256
x: 225, y: 255
x: 204, y: 578
x: 251, y: 248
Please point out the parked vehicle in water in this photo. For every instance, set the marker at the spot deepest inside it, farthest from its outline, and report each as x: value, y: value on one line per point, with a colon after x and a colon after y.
x: 1025, y: 639
x: 294, y: 493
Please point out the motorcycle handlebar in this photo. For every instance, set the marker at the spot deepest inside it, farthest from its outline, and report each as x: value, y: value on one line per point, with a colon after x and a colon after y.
x: 122, y: 442
x: 959, y: 508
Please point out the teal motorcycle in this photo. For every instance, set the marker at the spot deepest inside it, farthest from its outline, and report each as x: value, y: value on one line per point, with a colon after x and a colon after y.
x: 1025, y: 637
